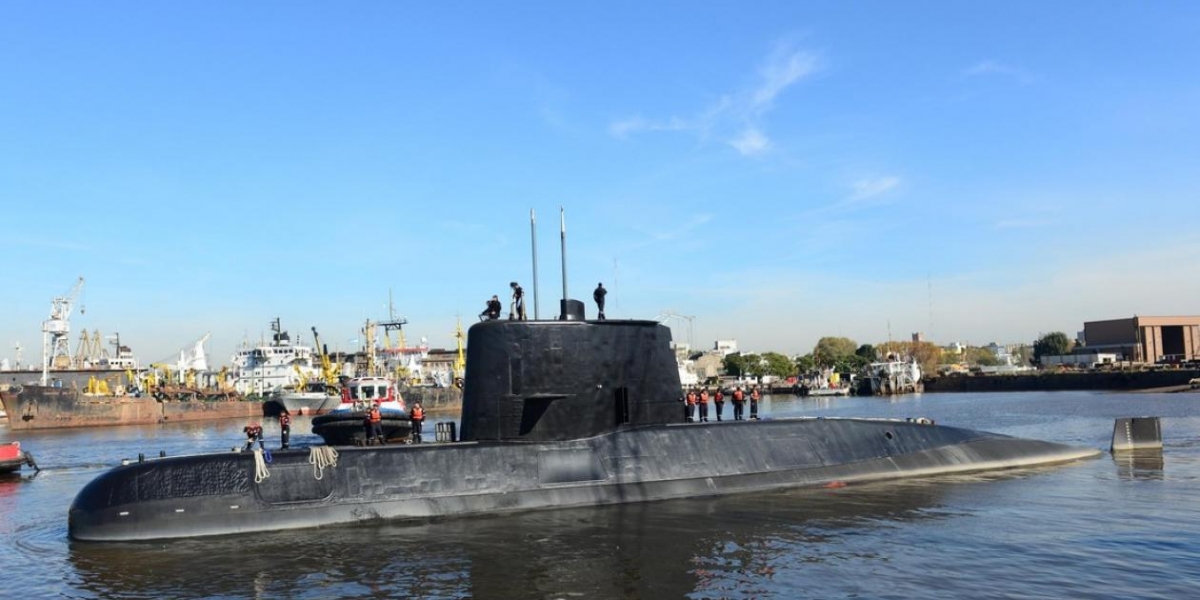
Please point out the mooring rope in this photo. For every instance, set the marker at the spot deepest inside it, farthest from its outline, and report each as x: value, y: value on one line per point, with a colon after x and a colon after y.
x: 260, y: 466
x: 321, y: 457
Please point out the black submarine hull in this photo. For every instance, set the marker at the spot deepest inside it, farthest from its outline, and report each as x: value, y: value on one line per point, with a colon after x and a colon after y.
x: 563, y: 413
x: 217, y: 494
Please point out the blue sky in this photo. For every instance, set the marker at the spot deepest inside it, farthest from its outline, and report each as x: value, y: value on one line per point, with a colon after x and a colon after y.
x: 779, y: 171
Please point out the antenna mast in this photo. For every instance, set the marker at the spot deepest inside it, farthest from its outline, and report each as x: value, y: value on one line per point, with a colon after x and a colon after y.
x: 562, y: 224
x: 533, y: 243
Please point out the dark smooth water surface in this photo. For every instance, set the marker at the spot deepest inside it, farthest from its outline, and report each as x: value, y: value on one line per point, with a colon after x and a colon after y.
x: 1102, y: 528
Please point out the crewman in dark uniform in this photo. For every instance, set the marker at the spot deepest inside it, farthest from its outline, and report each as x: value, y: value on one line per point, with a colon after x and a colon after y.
x: 719, y: 402
x: 254, y: 433
x: 285, y: 427
x: 517, y: 309
x: 417, y: 417
x: 598, y: 296
x: 754, y: 397
x: 492, y: 312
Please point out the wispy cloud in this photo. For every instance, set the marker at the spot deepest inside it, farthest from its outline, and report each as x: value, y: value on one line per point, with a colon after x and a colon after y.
x: 992, y: 67
x: 751, y: 142
x: 736, y: 118
x: 1022, y: 223
x: 869, y: 188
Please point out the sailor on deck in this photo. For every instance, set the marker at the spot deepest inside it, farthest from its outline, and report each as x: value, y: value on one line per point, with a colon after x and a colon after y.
x: 254, y: 433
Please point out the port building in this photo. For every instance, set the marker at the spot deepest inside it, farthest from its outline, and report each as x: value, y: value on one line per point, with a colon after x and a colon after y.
x: 1146, y: 339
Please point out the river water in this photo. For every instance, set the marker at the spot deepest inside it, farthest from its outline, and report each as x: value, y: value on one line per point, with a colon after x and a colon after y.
x: 1102, y: 528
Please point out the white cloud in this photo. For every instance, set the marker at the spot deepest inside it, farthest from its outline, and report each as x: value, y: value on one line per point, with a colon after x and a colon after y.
x: 992, y: 67
x: 736, y: 118
x: 751, y: 142
x: 1022, y: 223
x: 636, y: 124
x: 868, y: 188
x: 783, y: 69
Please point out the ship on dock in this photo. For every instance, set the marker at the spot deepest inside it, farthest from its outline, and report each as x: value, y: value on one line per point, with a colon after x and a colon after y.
x: 92, y: 388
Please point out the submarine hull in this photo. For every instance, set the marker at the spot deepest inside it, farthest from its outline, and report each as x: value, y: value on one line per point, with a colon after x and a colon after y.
x: 218, y: 494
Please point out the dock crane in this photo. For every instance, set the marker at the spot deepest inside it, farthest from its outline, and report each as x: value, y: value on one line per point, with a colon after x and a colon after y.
x: 328, y: 372
x: 56, y: 330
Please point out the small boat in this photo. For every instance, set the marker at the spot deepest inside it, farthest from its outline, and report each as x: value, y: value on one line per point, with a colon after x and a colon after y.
x: 345, y: 424
x: 12, y: 457
x: 314, y: 398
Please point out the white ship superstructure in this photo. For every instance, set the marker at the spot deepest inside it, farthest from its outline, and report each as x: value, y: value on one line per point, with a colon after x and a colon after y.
x: 272, y: 367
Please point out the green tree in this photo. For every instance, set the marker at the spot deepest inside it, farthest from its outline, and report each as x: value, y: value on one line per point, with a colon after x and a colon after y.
x: 981, y: 357
x: 778, y: 365
x: 735, y: 365
x: 806, y: 364
x: 1051, y: 344
x: 829, y: 349
x: 867, y: 351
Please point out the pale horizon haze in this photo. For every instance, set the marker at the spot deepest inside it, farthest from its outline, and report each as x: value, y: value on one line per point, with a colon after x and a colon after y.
x: 776, y: 171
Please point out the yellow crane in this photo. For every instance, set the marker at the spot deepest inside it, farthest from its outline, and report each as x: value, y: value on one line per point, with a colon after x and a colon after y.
x: 328, y: 371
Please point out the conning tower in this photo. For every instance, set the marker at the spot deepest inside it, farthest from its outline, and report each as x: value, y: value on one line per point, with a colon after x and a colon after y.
x: 568, y: 379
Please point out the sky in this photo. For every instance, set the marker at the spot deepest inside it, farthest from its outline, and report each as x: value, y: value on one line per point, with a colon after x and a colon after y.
x: 771, y: 172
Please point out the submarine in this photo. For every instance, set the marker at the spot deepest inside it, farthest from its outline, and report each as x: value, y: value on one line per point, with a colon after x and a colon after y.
x: 556, y: 413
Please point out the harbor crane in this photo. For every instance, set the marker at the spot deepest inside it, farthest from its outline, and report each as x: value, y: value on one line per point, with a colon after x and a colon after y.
x: 666, y: 316
x: 56, y: 330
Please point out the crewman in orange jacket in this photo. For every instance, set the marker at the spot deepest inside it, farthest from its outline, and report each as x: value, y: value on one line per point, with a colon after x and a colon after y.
x: 754, y: 397
x: 375, y: 426
x: 739, y: 402
x: 719, y: 401
x: 417, y: 417
x: 704, y: 405
x: 691, y: 405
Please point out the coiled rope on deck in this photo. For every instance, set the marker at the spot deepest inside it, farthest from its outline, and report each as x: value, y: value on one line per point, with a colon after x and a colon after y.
x: 321, y: 457
x: 260, y: 466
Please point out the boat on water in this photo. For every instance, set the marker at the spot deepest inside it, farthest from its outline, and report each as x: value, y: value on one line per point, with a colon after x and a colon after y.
x: 891, y: 377
x: 561, y: 413
x: 268, y: 367
x: 345, y: 424
x: 313, y: 398
x: 12, y: 458
x: 159, y: 394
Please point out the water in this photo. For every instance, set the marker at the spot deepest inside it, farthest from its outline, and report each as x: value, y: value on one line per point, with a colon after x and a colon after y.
x: 1100, y: 528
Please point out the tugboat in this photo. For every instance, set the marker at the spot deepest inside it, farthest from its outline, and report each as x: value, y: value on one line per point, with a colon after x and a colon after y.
x: 12, y: 458
x: 344, y: 425
x: 561, y: 413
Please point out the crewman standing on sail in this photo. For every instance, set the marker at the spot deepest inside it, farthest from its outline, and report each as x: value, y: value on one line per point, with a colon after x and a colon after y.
x: 691, y: 405
x: 754, y: 397
x: 704, y: 405
x: 719, y: 402
x: 598, y: 296
x: 516, y: 310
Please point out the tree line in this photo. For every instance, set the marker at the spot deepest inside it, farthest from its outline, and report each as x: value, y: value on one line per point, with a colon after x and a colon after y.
x: 844, y: 355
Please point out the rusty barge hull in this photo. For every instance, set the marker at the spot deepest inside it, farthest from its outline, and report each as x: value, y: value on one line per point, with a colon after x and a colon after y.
x: 38, y: 407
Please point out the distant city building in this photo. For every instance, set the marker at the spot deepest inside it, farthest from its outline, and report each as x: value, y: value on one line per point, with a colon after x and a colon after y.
x: 956, y: 348
x: 1146, y: 339
x: 1001, y: 353
x: 725, y: 347
x: 918, y: 337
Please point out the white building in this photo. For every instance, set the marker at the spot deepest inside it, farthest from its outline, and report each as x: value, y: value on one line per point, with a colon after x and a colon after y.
x: 725, y: 347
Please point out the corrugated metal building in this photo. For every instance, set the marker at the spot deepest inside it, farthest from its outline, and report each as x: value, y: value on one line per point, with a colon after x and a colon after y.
x: 1146, y: 339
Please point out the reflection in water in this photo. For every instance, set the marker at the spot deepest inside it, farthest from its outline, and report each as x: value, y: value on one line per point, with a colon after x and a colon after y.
x: 664, y: 549
x: 1139, y: 464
